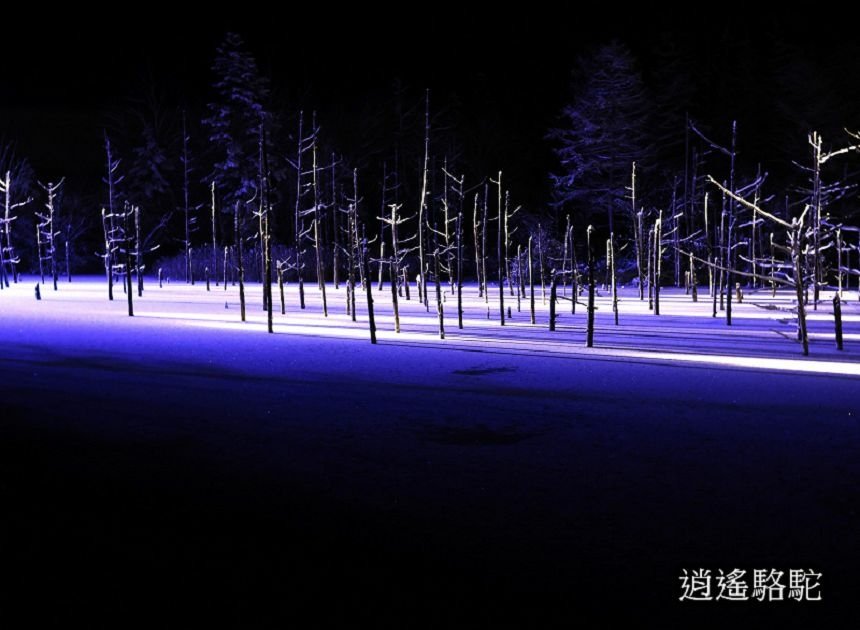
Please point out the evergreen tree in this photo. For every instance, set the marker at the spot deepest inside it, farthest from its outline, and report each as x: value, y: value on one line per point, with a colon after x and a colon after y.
x: 601, y: 133
x: 242, y: 96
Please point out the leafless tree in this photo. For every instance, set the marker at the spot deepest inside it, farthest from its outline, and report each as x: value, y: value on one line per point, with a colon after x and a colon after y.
x: 46, y: 229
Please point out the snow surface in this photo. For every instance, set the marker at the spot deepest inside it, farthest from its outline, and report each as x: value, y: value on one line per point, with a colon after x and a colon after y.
x: 197, y: 463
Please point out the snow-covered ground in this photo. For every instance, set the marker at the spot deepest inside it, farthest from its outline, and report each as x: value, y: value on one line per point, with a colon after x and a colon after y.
x: 194, y: 462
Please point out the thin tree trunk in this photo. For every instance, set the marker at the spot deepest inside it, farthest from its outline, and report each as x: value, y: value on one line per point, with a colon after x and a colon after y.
x: 798, y: 281
x: 108, y: 270
x: 611, y: 245
x: 484, y: 252
x: 226, y: 254
x: 128, y: 263
x: 381, y: 258
x: 531, y: 282
x: 422, y: 291
x: 477, y: 248
x: 658, y: 260
x: 367, y: 282
x: 694, y: 284
x: 540, y: 265
x: 837, y: 316
x: 440, y: 309
x: 214, y: 238
x: 589, y: 334
x: 138, y: 252
x: 394, y: 303
x: 460, y: 271
x: 501, y: 258
x: 241, y: 260
x: 519, y: 277
x: 281, y: 289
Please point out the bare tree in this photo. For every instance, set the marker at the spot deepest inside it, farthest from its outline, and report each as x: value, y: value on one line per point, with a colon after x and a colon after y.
x: 317, y: 214
x: 797, y: 248
x: 112, y: 179
x: 589, y: 333
x: 394, y: 221
x: 7, y: 249
x: 638, y: 233
x: 531, y: 283
x: 46, y: 229
x: 610, y: 254
x: 188, y: 210
x: 501, y: 259
x: 214, y: 238
x: 422, y: 205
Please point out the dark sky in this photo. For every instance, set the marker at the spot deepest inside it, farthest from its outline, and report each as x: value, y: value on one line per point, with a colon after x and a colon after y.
x: 63, y: 79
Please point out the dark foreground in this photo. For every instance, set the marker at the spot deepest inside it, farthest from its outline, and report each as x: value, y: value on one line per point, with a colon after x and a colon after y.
x: 168, y: 479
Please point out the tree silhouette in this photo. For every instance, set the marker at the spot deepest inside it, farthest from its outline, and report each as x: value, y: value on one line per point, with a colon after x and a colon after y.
x: 600, y: 133
x: 234, y: 120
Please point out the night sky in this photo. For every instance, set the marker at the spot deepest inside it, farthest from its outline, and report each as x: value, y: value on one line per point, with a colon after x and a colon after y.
x: 506, y: 70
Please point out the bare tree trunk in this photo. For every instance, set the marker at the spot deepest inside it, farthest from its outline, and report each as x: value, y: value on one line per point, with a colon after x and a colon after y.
x: 353, y: 244
x: 335, y: 236
x: 477, y: 248
x: 186, y: 207
x: 589, y: 334
x: 540, y: 265
x: 367, y: 285
x: 611, y: 246
x: 460, y: 271
x: 321, y: 271
x: 6, y: 189
x: 281, y: 289
x: 552, y: 297
x: 381, y: 258
x: 214, y: 238
x: 224, y: 266
x: 651, y: 269
x: 676, y: 260
x: 422, y: 292
x: 241, y: 259
x: 797, y: 254
x: 564, y: 257
x: 694, y: 283
x: 816, y: 217
x: 484, y: 252
x: 531, y: 282
x: 111, y: 181
x: 639, y: 235
x: 138, y: 252
x: 268, y: 272
x: 730, y: 257
x: 839, y: 262
x: 574, y: 273
x: 519, y: 277
x: 507, y: 239
x: 717, y: 289
x: 501, y: 258
x: 837, y: 316
x: 298, y: 224
x: 772, y: 269
x: 394, y: 304
x: 658, y: 260
x: 68, y: 263
x: 440, y: 309
x: 127, y: 243
x: 107, y: 257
